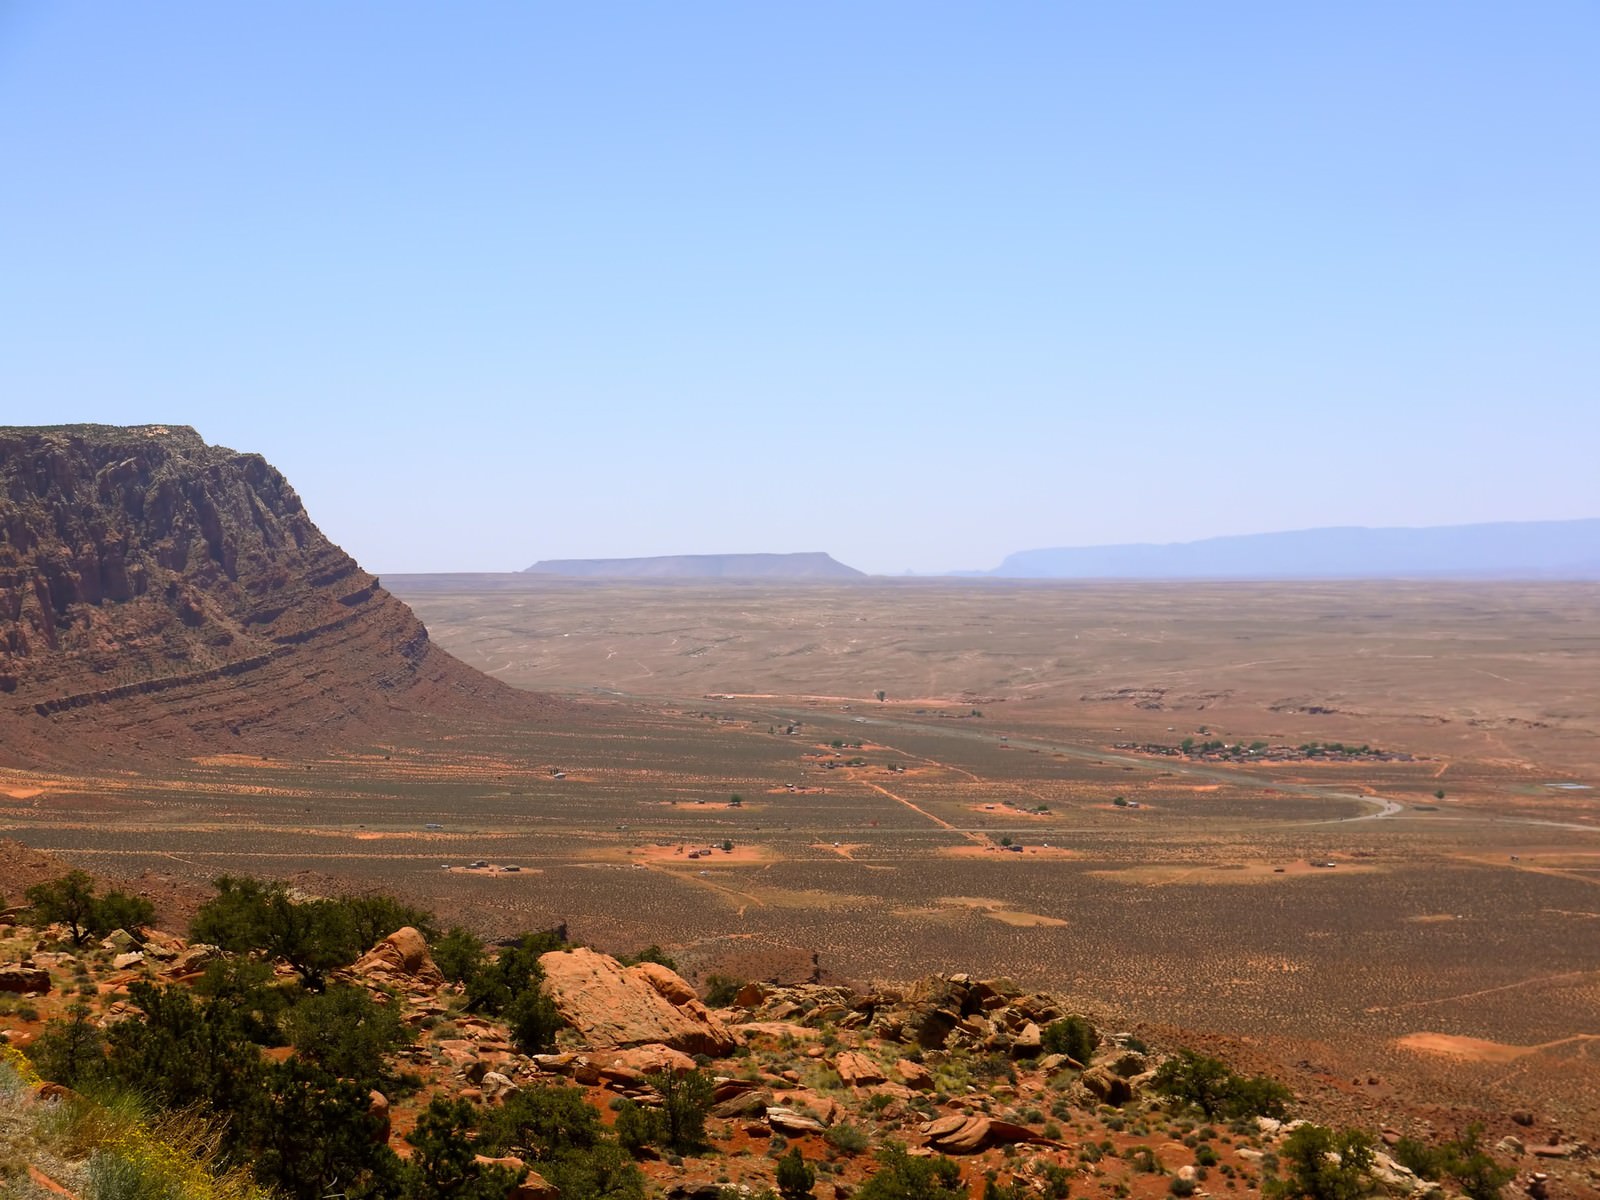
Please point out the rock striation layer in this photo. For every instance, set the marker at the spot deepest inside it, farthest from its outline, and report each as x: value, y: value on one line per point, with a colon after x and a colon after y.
x: 161, y: 594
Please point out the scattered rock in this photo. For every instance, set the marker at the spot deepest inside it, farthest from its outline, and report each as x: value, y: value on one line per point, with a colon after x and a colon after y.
x: 497, y: 1086
x: 787, y: 1121
x: 534, y: 1186
x: 23, y: 980
x: 194, y: 959
x: 747, y: 1104
x: 1556, y: 1150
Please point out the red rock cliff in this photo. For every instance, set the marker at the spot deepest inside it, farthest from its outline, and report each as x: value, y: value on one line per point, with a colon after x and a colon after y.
x: 160, y: 594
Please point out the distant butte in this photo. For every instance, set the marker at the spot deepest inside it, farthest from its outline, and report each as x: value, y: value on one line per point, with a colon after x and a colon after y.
x: 160, y: 596
x: 814, y: 566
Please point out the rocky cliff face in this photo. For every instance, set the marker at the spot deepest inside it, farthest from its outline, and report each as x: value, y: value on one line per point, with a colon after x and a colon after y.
x: 159, y: 593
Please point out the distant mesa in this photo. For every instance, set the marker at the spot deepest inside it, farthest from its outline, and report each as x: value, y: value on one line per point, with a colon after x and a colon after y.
x: 1504, y: 550
x: 160, y: 596
x: 814, y: 566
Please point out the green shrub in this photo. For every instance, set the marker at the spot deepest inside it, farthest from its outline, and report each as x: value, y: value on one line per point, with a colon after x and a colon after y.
x: 1257, y: 1096
x: 249, y: 987
x: 375, y: 917
x: 534, y: 1020
x: 513, y: 971
x: 795, y: 1179
x: 638, y: 1127
x: 685, y: 1101
x: 721, y: 990
x: 459, y: 954
x: 901, y: 1177
x: 115, y: 1176
x: 1211, y: 1086
x: 443, y: 1166
x: 1324, y: 1165
x: 346, y: 1033
x: 1072, y: 1036
x: 1143, y: 1159
x: 72, y: 1051
x: 309, y: 1135
x: 1478, y: 1175
x: 1463, y: 1160
x: 557, y: 1128
x: 312, y: 936
x: 847, y: 1138
x: 1423, y: 1160
x: 183, y: 1052
x: 71, y: 901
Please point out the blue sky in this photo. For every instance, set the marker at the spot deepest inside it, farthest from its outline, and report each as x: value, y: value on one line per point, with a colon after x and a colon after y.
x: 917, y: 284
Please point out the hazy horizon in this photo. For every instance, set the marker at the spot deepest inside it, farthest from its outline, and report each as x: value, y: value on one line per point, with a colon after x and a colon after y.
x: 920, y: 286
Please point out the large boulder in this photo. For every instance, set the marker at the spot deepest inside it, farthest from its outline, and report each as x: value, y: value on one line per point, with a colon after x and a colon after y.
x: 24, y: 979
x: 1106, y: 1087
x: 612, y: 1006
x: 378, y: 1110
x: 403, y: 955
x: 193, y: 959
x: 968, y: 1133
x: 649, y: 1060
x: 914, y: 1074
x: 857, y: 1070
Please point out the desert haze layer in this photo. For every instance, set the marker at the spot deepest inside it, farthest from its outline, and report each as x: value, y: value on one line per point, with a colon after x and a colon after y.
x: 1505, y: 672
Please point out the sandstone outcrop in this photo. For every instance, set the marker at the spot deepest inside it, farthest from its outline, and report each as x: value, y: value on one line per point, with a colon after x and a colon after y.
x: 612, y: 1006
x: 402, y: 957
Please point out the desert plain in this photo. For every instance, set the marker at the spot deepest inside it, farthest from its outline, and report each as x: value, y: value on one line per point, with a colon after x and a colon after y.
x: 1421, y: 917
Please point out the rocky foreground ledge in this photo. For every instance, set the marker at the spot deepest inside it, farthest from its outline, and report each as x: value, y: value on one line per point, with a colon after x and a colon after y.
x: 948, y: 1066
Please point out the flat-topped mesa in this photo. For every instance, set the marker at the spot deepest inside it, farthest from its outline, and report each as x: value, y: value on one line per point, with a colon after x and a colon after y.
x: 776, y: 567
x: 157, y: 589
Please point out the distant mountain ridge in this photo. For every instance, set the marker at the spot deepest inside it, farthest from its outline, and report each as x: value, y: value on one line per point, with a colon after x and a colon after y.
x: 1535, y: 549
x: 701, y: 566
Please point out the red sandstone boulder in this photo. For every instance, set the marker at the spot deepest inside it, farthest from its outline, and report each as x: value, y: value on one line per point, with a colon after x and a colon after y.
x: 378, y: 1109
x: 612, y: 1006
x: 403, y: 954
x: 23, y: 980
x: 914, y: 1075
x: 857, y: 1070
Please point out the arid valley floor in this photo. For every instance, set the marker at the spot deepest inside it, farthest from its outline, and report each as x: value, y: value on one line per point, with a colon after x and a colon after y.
x: 1342, y: 920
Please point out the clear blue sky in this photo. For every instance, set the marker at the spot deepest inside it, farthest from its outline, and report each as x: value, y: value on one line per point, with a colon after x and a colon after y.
x: 915, y: 283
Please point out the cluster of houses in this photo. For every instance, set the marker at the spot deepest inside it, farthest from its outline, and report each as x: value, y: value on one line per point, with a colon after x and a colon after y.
x: 1216, y: 751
